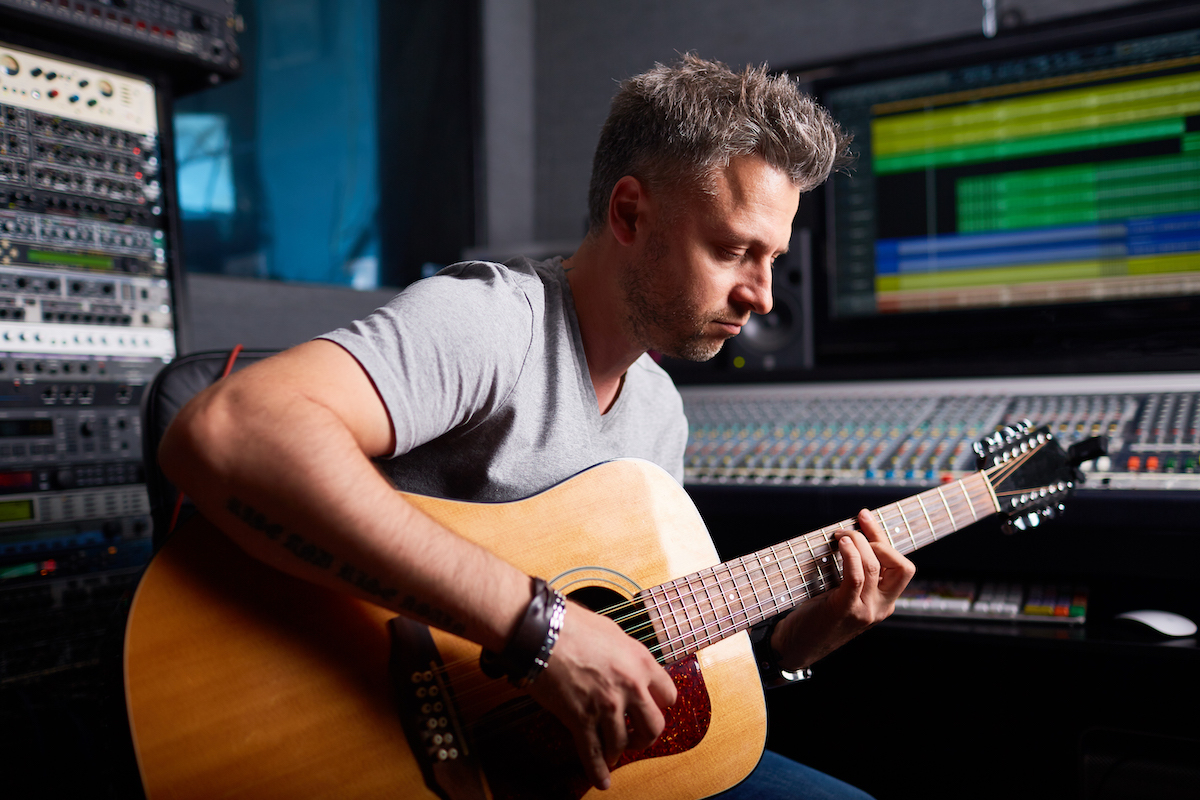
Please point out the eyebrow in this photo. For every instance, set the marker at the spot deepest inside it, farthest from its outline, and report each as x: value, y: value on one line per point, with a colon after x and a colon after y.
x: 732, y: 236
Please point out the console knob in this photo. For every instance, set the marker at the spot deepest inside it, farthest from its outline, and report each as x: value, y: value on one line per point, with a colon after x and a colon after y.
x: 65, y: 478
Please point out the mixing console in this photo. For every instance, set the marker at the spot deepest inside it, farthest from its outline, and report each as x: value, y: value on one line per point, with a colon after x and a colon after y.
x: 1009, y: 601
x: 919, y: 433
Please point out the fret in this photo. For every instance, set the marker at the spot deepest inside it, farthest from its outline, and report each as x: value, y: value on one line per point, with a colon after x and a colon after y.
x: 754, y: 590
x: 712, y: 607
x: 816, y: 566
x: 949, y: 513
x: 727, y: 596
x: 991, y: 491
x: 886, y: 532
x: 675, y: 602
x: 887, y: 526
x: 742, y: 601
x: 712, y: 628
x: 904, y: 519
x: 764, y: 559
x: 787, y: 588
x: 682, y: 627
x: 963, y: 485
x: 824, y: 563
x: 799, y: 569
x: 686, y: 629
x: 927, y: 519
x: 666, y: 619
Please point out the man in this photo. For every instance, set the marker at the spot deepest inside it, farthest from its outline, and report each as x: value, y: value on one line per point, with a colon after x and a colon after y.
x: 493, y: 382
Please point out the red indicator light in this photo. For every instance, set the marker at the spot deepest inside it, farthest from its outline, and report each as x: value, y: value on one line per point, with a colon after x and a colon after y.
x: 137, y: 176
x: 137, y: 151
x: 16, y: 480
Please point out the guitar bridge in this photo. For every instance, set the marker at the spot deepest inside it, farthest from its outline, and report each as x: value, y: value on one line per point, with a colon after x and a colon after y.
x: 429, y: 716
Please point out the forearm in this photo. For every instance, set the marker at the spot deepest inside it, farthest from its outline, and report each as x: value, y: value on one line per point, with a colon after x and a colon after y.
x: 288, y: 482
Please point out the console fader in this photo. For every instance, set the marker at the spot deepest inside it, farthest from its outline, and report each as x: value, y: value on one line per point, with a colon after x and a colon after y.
x: 918, y: 433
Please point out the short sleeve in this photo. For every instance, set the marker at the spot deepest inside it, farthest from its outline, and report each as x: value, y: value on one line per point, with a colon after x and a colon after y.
x: 447, y: 350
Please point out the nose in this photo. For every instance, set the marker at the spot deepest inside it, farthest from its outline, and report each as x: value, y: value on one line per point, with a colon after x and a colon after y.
x: 753, y: 290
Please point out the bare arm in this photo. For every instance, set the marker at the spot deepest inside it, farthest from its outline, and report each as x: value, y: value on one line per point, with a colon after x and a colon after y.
x: 278, y: 456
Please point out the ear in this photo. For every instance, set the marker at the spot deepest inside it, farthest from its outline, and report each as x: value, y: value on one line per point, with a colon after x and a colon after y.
x: 626, y: 209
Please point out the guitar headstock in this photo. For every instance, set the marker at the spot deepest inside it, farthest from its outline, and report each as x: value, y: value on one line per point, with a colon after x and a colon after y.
x: 1030, y: 472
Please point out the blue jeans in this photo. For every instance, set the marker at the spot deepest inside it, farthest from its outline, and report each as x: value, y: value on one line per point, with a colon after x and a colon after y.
x: 779, y: 778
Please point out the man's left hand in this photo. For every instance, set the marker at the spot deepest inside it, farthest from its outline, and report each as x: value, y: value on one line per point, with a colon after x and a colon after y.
x: 873, y: 575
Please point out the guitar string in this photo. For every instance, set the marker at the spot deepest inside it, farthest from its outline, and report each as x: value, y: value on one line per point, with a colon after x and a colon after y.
x: 523, y: 708
x: 745, y: 580
x: 636, y: 607
x: 1000, y: 471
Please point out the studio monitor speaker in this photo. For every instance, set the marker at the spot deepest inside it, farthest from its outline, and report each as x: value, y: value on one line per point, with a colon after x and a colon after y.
x: 780, y: 339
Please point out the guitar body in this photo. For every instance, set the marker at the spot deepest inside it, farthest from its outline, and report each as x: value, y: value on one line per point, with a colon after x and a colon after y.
x: 243, y: 682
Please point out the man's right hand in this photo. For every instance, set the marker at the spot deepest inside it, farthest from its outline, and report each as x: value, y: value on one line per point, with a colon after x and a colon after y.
x: 606, y: 688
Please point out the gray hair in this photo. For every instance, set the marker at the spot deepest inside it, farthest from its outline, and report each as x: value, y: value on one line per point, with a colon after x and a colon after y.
x: 676, y: 125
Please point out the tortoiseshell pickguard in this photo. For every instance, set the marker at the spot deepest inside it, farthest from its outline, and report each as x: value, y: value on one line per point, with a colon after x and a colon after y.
x: 535, y: 756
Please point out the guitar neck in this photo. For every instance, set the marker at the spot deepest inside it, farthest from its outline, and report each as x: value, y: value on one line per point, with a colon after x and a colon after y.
x: 697, y: 610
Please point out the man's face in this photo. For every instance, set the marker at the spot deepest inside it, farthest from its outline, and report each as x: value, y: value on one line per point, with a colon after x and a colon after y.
x: 706, y: 259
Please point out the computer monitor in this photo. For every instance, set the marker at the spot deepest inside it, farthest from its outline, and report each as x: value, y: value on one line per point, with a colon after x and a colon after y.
x: 1023, y: 204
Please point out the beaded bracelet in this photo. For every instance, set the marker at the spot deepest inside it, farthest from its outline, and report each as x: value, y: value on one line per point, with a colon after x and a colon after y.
x: 528, y: 652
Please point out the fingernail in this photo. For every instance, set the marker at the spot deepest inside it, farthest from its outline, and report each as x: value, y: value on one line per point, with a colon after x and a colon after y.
x: 605, y: 784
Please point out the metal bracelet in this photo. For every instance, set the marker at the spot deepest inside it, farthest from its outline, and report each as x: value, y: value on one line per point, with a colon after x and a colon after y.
x: 558, y: 613
x: 528, y: 652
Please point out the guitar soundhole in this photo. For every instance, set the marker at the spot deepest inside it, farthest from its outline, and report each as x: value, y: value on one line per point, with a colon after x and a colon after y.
x: 533, y: 755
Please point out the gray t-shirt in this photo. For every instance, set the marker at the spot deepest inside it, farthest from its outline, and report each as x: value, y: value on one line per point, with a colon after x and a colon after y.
x: 483, y: 374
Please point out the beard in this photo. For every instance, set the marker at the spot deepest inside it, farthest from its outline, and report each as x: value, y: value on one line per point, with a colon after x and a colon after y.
x: 661, y: 316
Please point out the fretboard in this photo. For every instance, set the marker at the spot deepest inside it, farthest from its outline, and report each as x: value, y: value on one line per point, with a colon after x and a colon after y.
x: 702, y: 608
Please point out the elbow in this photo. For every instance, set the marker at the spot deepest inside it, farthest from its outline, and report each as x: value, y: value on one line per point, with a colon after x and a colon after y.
x: 190, y: 447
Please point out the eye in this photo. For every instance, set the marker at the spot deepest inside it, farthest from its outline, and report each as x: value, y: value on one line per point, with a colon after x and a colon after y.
x: 727, y: 254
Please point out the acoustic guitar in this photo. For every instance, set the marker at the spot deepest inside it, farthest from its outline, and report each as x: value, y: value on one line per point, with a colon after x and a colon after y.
x: 243, y: 682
